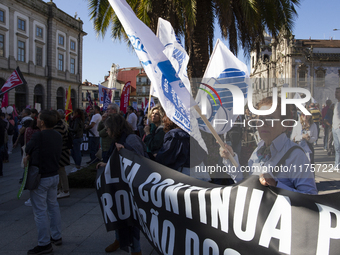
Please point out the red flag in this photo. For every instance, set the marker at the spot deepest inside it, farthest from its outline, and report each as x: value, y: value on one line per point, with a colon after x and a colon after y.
x: 68, y: 103
x: 142, y: 105
x: 15, y: 113
x: 87, y: 110
x: 16, y: 79
x: 4, y: 102
x: 125, y: 97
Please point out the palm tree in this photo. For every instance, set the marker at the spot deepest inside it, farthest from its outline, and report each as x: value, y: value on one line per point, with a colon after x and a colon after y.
x: 242, y: 22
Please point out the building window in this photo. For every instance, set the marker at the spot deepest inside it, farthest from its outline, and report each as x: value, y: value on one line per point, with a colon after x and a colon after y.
x: 302, y: 72
x: 21, y: 24
x: 61, y: 40
x: 39, y: 32
x: 39, y: 56
x: 21, y: 51
x: 73, y: 65
x: 73, y: 45
x: 320, y: 77
x: 2, y: 16
x: 2, y: 45
x: 116, y: 94
x: 60, y: 62
x: 139, y: 100
x: 95, y: 95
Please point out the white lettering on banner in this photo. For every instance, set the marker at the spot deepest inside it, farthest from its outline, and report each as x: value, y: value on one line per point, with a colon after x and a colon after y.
x: 156, y: 191
x: 124, y: 163
x: 220, y: 208
x: 202, y: 206
x: 281, y: 210
x: 187, y: 200
x: 168, y: 238
x: 210, y: 245
x: 326, y: 231
x: 253, y: 210
x: 122, y: 201
x: 192, y: 243
x: 107, y: 175
x: 170, y: 197
x: 154, y: 228
x: 107, y: 204
x: 153, y: 178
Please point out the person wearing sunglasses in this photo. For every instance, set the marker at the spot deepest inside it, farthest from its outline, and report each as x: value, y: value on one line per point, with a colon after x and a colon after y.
x: 277, y: 160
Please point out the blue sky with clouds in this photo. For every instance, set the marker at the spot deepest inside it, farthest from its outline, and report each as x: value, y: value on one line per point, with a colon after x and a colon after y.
x: 316, y: 19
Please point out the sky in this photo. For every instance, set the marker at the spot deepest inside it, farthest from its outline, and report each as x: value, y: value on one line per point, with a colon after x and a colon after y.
x: 316, y: 19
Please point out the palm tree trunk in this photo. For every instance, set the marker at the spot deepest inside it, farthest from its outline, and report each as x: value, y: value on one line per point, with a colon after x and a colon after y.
x: 199, y: 45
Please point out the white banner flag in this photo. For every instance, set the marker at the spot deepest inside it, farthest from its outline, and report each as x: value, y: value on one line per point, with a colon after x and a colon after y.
x: 223, y: 84
x: 179, y: 60
x: 174, y: 50
x: 172, y: 93
x: 101, y: 89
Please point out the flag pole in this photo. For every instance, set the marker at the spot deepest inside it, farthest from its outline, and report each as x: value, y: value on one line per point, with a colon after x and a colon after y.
x: 149, y: 100
x: 214, y: 133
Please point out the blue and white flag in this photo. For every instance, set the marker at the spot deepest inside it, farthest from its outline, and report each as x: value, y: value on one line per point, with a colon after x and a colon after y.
x: 101, y: 90
x: 174, y: 50
x: 223, y: 92
x: 179, y: 60
x: 172, y: 93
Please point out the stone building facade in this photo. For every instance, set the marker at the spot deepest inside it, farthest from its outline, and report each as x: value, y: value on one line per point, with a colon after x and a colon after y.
x: 47, y: 44
x: 290, y: 62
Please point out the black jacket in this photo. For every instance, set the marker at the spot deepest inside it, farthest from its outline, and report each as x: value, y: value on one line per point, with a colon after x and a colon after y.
x: 45, y: 149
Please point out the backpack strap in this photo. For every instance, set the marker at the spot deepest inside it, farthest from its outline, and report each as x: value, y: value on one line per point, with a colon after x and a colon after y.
x: 287, y: 154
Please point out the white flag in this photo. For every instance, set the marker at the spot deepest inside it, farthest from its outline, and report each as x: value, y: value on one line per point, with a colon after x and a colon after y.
x: 101, y: 89
x: 215, y: 100
x: 172, y: 93
x: 179, y: 60
x: 174, y: 50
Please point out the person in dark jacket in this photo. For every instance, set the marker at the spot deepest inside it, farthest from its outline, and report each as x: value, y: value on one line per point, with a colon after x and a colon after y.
x: 2, y: 143
x: 123, y: 135
x: 180, y: 152
x: 106, y: 140
x: 77, y: 128
x: 62, y: 128
x: 44, y: 150
x: 154, y: 132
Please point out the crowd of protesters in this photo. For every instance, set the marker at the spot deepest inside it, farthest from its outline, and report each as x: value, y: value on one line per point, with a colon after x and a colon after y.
x: 153, y: 135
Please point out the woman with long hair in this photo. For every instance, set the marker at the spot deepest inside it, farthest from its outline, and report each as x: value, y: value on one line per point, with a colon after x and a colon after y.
x: 305, y: 133
x: 77, y: 129
x: 124, y: 137
x: 275, y: 149
x: 154, y: 132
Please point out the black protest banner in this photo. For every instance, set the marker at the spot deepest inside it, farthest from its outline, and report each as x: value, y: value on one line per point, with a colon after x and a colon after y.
x: 181, y: 215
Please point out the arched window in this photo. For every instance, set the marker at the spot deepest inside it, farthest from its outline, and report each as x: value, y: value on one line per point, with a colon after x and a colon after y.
x: 60, y: 98
x: 302, y: 75
x: 21, y: 97
x: 320, y: 77
x: 39, y: 95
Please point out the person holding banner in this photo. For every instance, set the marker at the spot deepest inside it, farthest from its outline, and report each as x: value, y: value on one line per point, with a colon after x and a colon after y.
x: 123, y: 135
x: 154, y: 132
x: 181, y: 153
x: 273, y: 159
